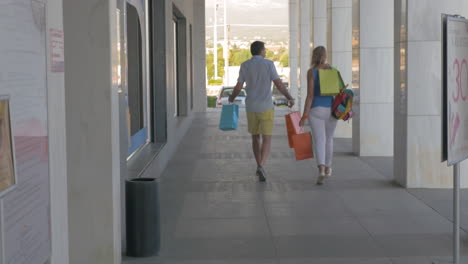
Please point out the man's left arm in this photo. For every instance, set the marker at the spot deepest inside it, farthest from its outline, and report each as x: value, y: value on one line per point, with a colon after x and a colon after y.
x: 235, y: 93
x: 279, y: 84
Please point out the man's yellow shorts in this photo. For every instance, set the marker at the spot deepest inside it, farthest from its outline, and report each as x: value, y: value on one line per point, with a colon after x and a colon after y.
x: 261, y: 123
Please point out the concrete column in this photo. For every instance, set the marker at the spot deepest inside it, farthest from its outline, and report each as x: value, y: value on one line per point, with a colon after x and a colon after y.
x: 320, y: 23
x: 92, y: 116
x: 57, y: 148
x: 305, y: 36
x: 341, y: 49
x: 373, y: 120
x: 293, y: 48
x: 417, y: 128
x: 199, y: 58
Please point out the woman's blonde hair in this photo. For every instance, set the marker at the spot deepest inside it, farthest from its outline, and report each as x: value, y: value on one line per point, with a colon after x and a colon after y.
x: 318, y: 56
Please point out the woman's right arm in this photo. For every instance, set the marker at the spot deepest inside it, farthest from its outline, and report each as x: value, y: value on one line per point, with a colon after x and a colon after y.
x: 310, y: 96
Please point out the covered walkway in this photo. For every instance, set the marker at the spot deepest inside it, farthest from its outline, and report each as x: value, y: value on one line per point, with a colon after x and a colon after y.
x: 214, y: 211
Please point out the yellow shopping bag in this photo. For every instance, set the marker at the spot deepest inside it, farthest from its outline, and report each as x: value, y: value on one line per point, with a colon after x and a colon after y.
x: 331, y: 82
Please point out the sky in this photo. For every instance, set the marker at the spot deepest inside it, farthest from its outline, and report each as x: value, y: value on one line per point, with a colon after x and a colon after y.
x: 251, y: 12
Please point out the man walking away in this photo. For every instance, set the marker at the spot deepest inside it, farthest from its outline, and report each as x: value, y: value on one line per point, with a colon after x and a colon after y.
x: 258, y: 73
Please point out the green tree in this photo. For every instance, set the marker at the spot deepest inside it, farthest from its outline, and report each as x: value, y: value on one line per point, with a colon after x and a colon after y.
x: 210, y: 64
x: 284, y: 60
x: 238, y: 56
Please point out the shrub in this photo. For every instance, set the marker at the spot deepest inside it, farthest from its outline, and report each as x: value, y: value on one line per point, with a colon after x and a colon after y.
x: 211, y: 101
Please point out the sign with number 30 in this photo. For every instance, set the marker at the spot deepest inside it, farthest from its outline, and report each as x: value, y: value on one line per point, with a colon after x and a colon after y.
x: 456, y: 93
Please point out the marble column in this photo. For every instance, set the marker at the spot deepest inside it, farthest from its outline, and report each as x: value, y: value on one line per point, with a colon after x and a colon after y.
x: 417, y: 129
x: 92, y: 116
x: 373, y: 120
x: 305, y: 36
x: 57, y: 148
x: 341, y: 49
x: 320, y: 23
x: 199, y: 58
x: 293, y: 48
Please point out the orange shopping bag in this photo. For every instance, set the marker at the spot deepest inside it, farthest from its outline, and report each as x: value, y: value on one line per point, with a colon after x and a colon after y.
x: 303, y: 146
x: 292, y: 125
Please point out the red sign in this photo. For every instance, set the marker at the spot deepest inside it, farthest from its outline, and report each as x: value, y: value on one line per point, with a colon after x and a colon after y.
x: 57, y: 52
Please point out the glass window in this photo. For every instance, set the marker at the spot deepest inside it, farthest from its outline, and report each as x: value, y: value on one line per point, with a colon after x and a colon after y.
x: 137, y: 91
x: 191, y: 68
x: 176, y: 74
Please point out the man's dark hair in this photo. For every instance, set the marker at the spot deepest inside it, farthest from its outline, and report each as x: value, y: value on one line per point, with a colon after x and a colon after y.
x: 257, y: 47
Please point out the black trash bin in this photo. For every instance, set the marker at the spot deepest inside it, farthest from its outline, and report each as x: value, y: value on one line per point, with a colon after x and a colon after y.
x: 142, y: 217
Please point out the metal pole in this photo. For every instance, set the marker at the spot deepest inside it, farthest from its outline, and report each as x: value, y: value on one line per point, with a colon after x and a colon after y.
x: 215, y: 40
x: 225, y: 47
x: 456, y: 213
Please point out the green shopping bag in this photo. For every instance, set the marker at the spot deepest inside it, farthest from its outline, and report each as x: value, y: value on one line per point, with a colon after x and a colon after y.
x: 331, y: 82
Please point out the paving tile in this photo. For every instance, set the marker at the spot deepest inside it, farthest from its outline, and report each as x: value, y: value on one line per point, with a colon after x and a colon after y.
x: 388, y: 201
x: 313, y: 195
x: 412, y: 260
x: 219, y: 209
x: 221, y: 248
x: 314, y: 208
x: 384, y: 165
x: 337, y: 184
x: 222, y: 261
x: 345, y: 260
x: 223, y: 196
x: 407, y: 224
x: 149, y: 260
x: 335, y: 246
x: 290, y: 226
x: 209, y: 228
x: 415, y: 245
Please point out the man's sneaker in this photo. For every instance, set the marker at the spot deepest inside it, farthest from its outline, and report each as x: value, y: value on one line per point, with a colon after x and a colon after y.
x: 261, y: 174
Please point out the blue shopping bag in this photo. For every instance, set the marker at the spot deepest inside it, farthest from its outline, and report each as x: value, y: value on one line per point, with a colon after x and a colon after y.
x: 229, y: 117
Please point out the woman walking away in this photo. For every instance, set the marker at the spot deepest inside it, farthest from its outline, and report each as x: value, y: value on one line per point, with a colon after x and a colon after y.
x: 318, y: 110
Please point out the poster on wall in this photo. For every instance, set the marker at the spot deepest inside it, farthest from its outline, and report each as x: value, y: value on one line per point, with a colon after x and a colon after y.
x: 7, y: 169
x: 455, y: 92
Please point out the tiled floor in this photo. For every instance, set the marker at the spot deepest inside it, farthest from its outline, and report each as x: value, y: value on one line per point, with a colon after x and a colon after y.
x: 214, y: 211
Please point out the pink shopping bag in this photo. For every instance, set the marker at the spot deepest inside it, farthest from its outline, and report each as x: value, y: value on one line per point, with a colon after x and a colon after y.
x: 292, y: 126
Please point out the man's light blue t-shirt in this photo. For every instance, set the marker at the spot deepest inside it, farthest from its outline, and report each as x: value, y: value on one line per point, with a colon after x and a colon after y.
x: 258, y: 73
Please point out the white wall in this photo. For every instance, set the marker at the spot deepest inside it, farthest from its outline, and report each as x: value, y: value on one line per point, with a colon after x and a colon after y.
x: 418, y: 104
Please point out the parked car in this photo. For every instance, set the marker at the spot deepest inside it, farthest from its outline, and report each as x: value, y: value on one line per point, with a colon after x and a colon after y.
x: 278, y: 98
x: 226, y: 92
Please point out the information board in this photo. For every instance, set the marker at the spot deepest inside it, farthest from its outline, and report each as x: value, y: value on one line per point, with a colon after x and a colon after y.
x: 7, y: 169
x: 455, y: 89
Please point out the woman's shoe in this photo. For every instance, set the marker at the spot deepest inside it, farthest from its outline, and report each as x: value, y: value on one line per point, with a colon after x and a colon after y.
x: 329, y: 172
x: 261, y: 174
x: 321, y: 178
